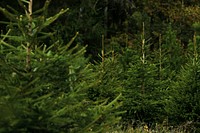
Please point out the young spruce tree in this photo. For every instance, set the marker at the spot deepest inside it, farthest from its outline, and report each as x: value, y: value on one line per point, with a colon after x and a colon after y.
x: 44, y: 88
x: 185, y: 101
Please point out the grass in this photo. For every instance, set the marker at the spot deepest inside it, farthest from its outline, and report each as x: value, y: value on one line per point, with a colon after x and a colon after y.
x: 184, y: 128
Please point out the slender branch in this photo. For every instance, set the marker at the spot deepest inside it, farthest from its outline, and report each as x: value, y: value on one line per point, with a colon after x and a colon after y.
x: 143, y: 44
x: 30, y: 7
x: 195, y: 47
x: 160, y: 56
x: 28, y: 56
x: 143, y: 58
x: 102, y: 50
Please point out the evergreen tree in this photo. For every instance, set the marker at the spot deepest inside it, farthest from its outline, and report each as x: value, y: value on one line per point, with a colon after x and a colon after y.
x: 172, y: 51
x: 44, y: 88
x: 184, y: 103
x: 143, y: 92
x: 144, y: 89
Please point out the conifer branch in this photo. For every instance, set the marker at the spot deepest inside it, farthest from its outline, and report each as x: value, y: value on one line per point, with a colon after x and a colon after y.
x: 4, y: 43
x: 44, y: 9
x: 53, y: 18
x: 8, y: 14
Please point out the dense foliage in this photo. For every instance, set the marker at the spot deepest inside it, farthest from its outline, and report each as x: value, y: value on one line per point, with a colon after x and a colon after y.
x: 96, y: 66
